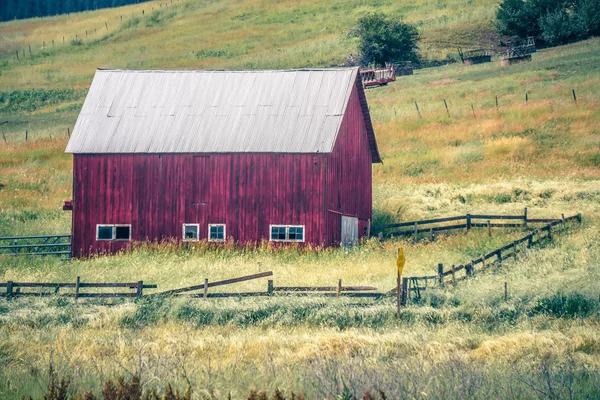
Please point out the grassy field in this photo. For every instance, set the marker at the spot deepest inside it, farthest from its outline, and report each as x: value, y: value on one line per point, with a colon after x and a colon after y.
x: 457, y: 342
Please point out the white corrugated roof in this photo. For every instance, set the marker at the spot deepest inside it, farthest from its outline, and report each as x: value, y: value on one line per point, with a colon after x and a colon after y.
x: 296, y: 111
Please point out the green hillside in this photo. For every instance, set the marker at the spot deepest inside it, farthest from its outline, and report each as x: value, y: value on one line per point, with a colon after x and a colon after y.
x: 227, y: 34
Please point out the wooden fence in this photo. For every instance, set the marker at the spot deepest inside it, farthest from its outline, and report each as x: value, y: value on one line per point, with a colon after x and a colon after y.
x: 272, y: 290
x: 414, y: 285
x: 433, y: 226
x: 55, y: 245
x: 13, y: 289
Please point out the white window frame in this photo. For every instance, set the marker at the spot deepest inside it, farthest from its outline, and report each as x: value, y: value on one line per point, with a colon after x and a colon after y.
x: 121, y: 226
x: 224, y: 233
x: 183, y: 226
x: 287, y: 233
x: 113, y: 234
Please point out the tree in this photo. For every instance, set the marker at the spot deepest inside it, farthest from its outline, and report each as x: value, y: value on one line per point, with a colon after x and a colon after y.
x: 550, y: 21
x: 383, y: 38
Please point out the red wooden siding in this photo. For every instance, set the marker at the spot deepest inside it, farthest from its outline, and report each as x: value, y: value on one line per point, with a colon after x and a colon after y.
x: 156, y: 194
x: 348, y: 178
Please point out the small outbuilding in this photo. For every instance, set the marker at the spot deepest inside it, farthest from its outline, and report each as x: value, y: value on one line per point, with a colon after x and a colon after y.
x: 283, y: 156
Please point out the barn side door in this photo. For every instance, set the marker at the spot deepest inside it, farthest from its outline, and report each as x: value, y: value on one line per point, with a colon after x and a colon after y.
x: 349, y: 235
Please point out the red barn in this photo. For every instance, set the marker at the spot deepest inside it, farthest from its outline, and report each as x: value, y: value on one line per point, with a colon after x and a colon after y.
x: 248, y: 155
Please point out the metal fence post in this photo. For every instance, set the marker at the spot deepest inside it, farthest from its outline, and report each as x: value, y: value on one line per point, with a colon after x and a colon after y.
x: 404, y: 294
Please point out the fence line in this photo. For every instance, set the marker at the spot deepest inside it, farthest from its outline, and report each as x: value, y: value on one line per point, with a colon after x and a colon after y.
x: 417, y: 226
x: 20, y: 53
x: 417, y: 284
x: 37, y: 245
x: 13, y: 289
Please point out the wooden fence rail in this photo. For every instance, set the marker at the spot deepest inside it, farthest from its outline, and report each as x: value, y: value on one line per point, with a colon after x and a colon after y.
x: 470, y: 221
x: 13, y: 289
x: 416, y: 284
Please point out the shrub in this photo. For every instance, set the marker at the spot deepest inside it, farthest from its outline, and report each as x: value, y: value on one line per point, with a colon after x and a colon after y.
x: 383, y: 38
x: 569, y: 306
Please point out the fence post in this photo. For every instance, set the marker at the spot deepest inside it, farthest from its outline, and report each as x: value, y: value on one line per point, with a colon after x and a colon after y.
x: 26, y: 134
x: 369, y: 228
x: 270, y: 287
x: 417, y: 107
x: 15, y: 247
x: 550, y: 231
x: 441, y: 274
x: 515, y: 247
x: 77, y: 282
x: 469, y: 268
x: 9, y: 288
x: 140, y: 288
x: 415, y: 231
x: 205, y: 296
x: 338, y: 289
x: 530, y: 240
x: 489, y: 226
x: 468, y: 222
x: 563, y: 220
x: 505, y: 291
x: 404, y: 294
x: 431, y: 235
x: 499, y: 254
x: 453, y: 275
x: 579, y: 217
x: 483, y: 262
x: 525, y: 216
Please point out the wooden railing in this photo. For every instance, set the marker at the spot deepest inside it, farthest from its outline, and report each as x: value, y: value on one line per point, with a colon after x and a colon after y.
x: 14, y: 289
x: 417, y: 284
x: 470, y: 221
x: 378, y: 76
x: 42, y: 245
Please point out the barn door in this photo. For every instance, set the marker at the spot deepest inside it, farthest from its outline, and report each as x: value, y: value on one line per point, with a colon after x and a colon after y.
x: 349, y: 230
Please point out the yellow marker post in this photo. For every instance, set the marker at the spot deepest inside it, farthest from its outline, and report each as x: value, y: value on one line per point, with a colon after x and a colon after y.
x: 400, y: 264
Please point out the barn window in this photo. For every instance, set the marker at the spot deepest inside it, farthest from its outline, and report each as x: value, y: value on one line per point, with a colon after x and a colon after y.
x: 122, y: 232
x: 216, y: 232
x: 104, y: 232
x: 287, y: 233
x: 190, y: 231
x: 113, y: 232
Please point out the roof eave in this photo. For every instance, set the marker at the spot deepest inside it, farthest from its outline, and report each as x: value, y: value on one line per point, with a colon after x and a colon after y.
x: 375, y: 156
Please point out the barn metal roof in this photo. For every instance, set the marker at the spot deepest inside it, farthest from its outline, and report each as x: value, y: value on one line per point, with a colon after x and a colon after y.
x: 157, y: 111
